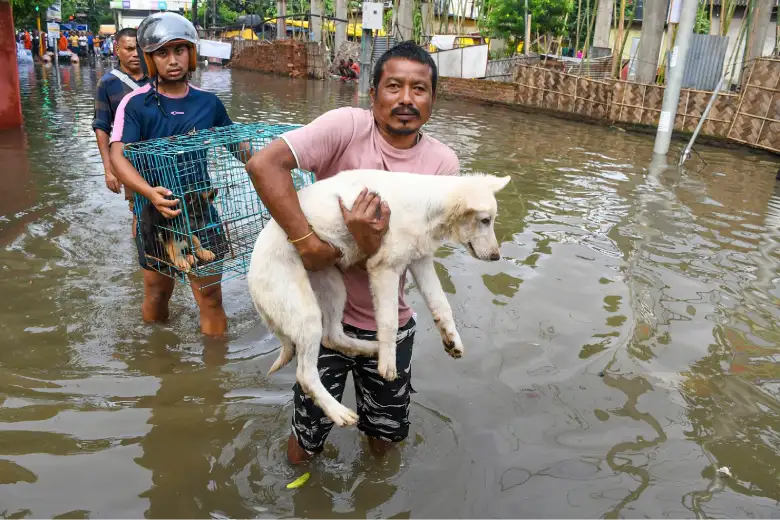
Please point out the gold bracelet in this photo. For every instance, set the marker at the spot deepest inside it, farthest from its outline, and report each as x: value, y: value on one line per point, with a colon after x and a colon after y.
x: 310, y: 233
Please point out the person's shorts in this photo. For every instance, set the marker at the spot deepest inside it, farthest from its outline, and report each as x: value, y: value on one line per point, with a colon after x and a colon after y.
x: 212, y: 238
x: 382, y: 406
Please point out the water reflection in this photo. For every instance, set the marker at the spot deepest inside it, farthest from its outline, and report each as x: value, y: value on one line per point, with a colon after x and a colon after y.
x: 624, y: 348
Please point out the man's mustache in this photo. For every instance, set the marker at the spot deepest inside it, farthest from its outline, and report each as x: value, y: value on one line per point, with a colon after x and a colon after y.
x: 405, y: 111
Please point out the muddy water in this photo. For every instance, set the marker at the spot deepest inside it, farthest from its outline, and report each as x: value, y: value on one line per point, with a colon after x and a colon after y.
x: 627, y: 345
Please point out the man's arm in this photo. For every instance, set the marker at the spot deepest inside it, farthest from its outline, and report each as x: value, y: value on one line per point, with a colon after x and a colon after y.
x: 130, y: 177
x: 112, y: 183
x: 269, y: 169
x: 101, y: 124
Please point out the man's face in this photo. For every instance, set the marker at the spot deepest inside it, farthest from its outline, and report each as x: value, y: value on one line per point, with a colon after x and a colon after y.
x: 172, y: 62
x: 403, y: 99
x: 127, y: 52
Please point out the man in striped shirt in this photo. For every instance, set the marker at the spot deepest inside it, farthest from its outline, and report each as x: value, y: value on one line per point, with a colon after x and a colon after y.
x: 112, y: 87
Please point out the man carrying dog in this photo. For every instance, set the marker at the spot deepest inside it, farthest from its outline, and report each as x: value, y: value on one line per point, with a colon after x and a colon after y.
x: 168, y: 106
x: 387, y: 137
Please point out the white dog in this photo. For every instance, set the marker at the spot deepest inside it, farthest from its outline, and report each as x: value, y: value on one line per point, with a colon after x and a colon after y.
x: 305, y: 309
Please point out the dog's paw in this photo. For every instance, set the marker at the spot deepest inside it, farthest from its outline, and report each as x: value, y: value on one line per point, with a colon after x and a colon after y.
x: 386, y: 367
x: 341, y: 415
x: 182, y: 264
x: 453, y: 346
x: 205, y: 255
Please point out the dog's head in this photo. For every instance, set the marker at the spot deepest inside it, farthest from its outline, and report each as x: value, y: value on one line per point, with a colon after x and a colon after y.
x: 473, y: 215
x: 197, y: 203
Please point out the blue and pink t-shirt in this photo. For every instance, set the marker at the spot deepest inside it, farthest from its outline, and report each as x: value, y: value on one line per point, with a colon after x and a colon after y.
x: 140, y: 118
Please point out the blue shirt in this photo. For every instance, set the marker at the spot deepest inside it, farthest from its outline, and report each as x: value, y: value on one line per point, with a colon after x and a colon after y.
x: 109, y: 94
x: 90, y: 40
x: 140, y: 118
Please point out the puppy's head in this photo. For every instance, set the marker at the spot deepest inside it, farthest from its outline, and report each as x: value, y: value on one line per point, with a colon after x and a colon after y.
x: 473, y: 215
x: 197, y: 203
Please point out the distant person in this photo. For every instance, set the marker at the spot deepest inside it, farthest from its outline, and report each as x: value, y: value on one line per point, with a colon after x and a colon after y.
x: 343, y: 69
x: 111, y: 88
x: 90, y: 44
x: 354, y: 69
x: 73, y: 39
x: 36, y: 44
x: 62, y: 44
x: 82, y: 44
x: 27, y: 41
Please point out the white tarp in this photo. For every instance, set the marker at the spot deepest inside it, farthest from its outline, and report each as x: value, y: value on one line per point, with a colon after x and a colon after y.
x: 443, y: 42
x: 214, y: 49
x: 463, y: 62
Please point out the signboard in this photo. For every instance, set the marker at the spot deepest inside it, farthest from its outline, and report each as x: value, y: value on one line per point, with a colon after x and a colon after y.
x: 372, y: 15
x: 53, y: 30
x: 54, y: 12
x: 115, y: 4
x: 214, y: 49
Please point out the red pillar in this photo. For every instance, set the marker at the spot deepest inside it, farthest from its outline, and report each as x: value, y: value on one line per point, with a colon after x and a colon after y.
x: 10, y: 100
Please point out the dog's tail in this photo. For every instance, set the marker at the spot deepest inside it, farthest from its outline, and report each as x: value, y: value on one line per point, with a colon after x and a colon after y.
x: 286, y: 353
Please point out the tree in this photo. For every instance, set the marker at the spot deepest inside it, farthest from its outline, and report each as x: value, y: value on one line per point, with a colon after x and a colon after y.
x: 25, y: 14
x: 506, y: 18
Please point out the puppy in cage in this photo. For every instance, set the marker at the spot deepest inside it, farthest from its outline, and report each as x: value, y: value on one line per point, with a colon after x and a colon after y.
x: 161, y: 241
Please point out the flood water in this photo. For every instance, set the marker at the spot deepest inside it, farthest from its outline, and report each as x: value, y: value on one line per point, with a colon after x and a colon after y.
x: 625, y: 347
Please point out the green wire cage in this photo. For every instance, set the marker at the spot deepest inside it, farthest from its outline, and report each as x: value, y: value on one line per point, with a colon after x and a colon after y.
x: 221, y: 214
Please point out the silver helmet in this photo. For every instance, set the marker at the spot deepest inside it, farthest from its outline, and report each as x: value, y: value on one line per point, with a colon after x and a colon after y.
x: 160, y: 28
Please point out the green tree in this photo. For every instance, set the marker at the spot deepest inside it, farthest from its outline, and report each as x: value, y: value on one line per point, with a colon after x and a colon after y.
x: 702, y: 25
x: 506, y: 18
x: 25, y: 14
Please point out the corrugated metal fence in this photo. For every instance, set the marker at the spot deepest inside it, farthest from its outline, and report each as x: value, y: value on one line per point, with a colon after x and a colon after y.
x: 704, y: 65
x: 504, y: 69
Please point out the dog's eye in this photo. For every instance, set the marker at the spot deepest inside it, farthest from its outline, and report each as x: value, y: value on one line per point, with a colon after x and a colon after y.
x: 486, y: 221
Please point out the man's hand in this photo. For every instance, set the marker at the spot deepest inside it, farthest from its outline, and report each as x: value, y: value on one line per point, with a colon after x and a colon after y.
x: 162, y: 204
x: 112, y: 183
x: 368, y: 221
x: 316, y: 254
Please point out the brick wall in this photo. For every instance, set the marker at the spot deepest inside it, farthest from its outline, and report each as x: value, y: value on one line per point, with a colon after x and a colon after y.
x: 479, y: 90
x: 285, y: 57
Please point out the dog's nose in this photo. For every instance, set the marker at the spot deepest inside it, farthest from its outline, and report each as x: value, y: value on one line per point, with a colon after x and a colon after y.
x: 495, y: 255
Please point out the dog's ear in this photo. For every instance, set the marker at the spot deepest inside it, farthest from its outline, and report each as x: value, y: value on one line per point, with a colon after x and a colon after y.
x: 209, y: 195
x: 498, y: 183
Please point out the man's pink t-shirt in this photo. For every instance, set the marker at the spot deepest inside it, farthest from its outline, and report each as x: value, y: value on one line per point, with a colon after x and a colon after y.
x: 347, y: 139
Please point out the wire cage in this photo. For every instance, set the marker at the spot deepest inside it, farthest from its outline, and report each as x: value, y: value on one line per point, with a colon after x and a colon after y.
x: 221, y: 214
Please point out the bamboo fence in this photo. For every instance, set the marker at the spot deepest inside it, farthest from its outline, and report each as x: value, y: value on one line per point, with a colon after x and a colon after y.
x: 751, y: 117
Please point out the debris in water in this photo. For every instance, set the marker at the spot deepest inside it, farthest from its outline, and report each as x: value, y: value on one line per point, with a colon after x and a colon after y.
x: 725, y: 471
x: 298, y: 482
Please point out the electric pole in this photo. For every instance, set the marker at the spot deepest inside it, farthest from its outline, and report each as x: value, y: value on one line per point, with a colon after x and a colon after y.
x: 527, y: 39
x: 677, y: 58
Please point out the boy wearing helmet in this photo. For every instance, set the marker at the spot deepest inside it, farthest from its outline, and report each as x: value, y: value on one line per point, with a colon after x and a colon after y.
x: 168, y: 106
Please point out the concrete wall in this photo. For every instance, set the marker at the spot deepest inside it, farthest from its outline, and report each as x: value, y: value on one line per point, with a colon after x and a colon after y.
x: 10, y: 102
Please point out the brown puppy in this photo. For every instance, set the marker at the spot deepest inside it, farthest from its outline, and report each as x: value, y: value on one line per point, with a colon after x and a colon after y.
x: 158, y: 235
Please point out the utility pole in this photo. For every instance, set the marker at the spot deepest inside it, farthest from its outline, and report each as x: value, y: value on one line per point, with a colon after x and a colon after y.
x: 677, y: 58
x: 527, y: 40
x: 365, y: 61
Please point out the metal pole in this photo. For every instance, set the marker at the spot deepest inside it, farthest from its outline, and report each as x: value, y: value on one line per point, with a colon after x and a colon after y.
x: 686, y: 153
x: 365, y: 62
x: 527, y: 39
x: 677, y: 59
